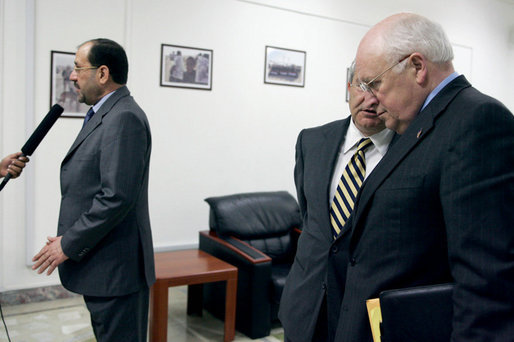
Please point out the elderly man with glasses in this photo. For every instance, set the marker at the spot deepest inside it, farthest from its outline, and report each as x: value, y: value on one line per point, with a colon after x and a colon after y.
x: 438, y: 207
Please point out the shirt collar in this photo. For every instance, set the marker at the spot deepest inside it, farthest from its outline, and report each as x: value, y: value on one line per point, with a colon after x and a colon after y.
x: 437, y: 89
x: 99, y: 104
x: 380, y: 140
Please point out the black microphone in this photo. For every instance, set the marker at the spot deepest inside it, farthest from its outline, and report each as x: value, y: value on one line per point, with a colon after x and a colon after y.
x: 38, y: 135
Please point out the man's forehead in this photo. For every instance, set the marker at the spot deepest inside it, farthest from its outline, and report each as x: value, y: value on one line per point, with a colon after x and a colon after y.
x: 370, y: 56
x: 368, y: 65
x: 81, y: 54
x: 78, y: 59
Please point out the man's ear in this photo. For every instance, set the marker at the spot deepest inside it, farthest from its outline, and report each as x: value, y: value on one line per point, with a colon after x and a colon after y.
x: 419, y: 63
x: 103, y: 74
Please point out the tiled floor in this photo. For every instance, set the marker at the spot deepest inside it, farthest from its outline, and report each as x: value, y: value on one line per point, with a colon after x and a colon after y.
x: 67, y: 320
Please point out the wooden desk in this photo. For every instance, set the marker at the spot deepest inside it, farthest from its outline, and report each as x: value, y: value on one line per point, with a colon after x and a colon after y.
x: 192, y: 268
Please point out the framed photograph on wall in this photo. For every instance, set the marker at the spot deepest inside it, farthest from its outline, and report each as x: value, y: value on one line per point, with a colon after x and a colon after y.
x: 62, y: 90
x: 284, y: 66
x: 186, y: 67
x: 348, y: 82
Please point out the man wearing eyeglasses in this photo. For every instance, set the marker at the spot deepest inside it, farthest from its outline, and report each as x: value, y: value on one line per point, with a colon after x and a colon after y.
x: 103, y: 247
x: 438, y: 207
x: 322, y: 154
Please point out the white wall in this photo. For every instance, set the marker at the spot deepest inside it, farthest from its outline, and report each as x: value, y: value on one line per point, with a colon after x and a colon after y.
x: 238, y: 137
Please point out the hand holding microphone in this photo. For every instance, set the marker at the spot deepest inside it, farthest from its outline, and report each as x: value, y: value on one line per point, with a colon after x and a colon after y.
x: 13, y: 164
x: 29, y: 147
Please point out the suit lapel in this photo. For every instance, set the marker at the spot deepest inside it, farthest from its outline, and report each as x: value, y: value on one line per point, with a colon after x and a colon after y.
x: 330, y: 146
x: 96, y: 120
x: 422, y: 125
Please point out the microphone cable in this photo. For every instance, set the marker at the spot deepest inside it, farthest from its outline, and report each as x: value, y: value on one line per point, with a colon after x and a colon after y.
x: 5, y: 325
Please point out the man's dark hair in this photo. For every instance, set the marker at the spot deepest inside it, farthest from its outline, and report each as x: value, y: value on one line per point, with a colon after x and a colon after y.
x: 109, y: 53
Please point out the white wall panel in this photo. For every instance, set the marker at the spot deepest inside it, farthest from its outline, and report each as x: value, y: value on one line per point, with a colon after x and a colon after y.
x: 239, y: 136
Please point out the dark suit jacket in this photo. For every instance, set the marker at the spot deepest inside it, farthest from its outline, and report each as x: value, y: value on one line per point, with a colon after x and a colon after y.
x: 104, y: 219
x: 316, y: 155
x: 437, y: 209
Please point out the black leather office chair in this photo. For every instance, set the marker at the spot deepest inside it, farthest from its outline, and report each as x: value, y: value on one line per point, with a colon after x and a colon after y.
x: 257, y: 233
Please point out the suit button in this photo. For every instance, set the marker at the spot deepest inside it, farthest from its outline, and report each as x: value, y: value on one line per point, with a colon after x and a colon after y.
x: 334, y: 249
x: 324, y: 286
x: 353, y: 261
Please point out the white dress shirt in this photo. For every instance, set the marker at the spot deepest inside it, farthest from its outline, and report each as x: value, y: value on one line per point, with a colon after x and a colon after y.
x: 373, y: 154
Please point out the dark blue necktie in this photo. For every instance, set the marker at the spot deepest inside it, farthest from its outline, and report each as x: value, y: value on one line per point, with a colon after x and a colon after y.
x: 89, y: 115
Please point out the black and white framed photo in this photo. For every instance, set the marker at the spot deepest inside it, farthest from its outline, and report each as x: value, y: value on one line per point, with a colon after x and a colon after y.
x: 62, y: 90
x: 284, y: 66
x: 186, y: 67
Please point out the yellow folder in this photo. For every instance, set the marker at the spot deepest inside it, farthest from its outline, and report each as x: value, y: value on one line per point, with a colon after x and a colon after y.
x: 375, y: 317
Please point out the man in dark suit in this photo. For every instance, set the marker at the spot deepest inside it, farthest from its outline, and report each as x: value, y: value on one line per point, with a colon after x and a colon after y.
x: 13, y: 164
x: 438, y: 208
x: 321, y: 156
x: 104, y: 244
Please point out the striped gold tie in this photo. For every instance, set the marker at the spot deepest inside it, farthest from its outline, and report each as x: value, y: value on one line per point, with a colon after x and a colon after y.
x: 348, y: 187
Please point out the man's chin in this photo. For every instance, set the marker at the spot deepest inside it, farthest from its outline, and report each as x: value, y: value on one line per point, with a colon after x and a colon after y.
x: 384, y: 116
x: 391, y: 123
x: 369, y: 120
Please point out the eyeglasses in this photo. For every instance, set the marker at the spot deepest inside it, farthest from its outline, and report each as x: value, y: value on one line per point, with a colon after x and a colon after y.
x: 371, y: 86
x: 77, y: 69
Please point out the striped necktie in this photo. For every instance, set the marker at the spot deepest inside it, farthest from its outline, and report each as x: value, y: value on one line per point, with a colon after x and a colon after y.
x: 348, y: 187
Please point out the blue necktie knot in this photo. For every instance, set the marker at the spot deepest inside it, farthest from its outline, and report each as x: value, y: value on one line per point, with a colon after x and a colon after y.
x: 89, y: 115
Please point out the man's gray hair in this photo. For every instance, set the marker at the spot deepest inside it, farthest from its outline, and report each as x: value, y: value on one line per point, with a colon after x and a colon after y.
x: 414, y: 33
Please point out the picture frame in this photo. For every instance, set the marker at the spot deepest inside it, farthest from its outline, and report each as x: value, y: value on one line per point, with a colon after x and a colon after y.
x: 348, y: 82
x: 186, y: 67
x: 284, y: 66
x: 62, y: 90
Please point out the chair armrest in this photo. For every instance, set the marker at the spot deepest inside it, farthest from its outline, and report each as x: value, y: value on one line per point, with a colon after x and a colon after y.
x: 234, y: 246
x: 253, y: 282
